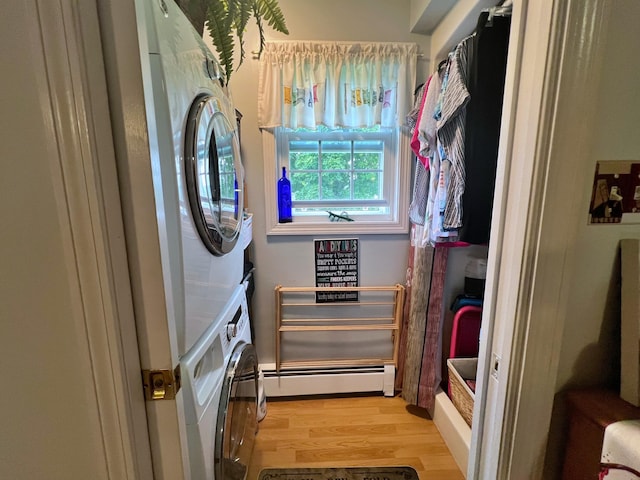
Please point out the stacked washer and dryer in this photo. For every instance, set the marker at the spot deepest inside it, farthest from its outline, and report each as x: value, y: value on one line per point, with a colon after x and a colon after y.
x: 202, y: 179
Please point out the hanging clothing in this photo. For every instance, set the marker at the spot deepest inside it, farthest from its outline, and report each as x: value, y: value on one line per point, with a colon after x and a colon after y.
x: 434, y: 231
x: 484, y: 111
x: 413, y: 115
x: 427, y: 124
x: 451, y: 123
x: 418, y: 206
x: 427, y: 178
x: 415, y: 138
x: 456, y: 139
x: 442, y: 176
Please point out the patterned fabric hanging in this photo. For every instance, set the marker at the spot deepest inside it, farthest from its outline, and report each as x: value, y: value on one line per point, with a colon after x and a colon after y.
x: 352, y: 85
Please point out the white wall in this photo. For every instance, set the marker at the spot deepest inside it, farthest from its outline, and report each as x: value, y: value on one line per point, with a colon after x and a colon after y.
x: 289, y: 260
x: 50, y: 419
x: 459, y: 22
x: 590, y: 347
x: 426, y: 14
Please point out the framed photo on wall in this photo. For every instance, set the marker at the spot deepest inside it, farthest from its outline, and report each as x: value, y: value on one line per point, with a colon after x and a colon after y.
x: 616, y: 192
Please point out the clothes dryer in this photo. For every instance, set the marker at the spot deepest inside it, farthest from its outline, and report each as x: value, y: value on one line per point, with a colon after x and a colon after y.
x: 220, y: 381
x: 201, y: 169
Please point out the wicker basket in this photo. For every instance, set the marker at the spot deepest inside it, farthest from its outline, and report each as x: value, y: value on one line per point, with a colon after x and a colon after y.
x: 461, y: 369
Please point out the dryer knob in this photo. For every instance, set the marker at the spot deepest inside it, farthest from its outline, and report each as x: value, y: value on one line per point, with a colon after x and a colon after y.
x: 232, y: 330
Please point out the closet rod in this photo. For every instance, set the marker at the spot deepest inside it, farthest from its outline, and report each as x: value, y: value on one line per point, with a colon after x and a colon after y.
x: 503, y: 9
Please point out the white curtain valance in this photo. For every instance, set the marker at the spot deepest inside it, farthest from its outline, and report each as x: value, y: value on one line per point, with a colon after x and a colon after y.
x: 336, y: 84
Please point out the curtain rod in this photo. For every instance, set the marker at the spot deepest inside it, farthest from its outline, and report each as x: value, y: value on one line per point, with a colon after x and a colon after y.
x: 341, y: 42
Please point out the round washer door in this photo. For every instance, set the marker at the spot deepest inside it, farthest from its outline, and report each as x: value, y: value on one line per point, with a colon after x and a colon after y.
x: 213, y: 172
x: 237, y: 423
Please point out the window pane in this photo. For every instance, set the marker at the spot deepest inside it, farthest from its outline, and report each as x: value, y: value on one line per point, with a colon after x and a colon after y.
x: 336, y: 155
x: 303, y: 155
x: 336, y: 186
x: 367, y: 161
x: 367, y: 186
x: 227, y: 180
x: 227, y: 187
x: 303, y: 161
x: 368, y: 155
x: 305, y: 186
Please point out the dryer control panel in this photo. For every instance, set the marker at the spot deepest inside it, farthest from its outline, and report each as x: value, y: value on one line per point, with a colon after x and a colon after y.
x: 232, y: 326
x: 237, y: 327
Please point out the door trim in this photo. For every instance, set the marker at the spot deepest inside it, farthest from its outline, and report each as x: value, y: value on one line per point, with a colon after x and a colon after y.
x: 561, y: 61
x: 565, y: 139
x: 90, y: 206
x: 127, y: 35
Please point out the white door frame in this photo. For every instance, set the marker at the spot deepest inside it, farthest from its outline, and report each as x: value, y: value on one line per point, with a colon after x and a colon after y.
x: 137, y: 137
x: 559, y: 59
x: 109, y: 157
x: 94, y: 74
x: 89, y: 205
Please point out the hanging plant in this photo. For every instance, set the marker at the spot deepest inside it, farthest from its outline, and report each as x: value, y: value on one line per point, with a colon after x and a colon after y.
x: 226, y: 21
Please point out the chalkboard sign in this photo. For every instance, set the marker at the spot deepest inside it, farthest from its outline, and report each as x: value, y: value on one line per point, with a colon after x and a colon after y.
x: 337, y: 266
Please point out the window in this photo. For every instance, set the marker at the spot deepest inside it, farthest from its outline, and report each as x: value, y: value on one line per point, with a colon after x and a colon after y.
x: 356, y: 173
x: 332, y: 114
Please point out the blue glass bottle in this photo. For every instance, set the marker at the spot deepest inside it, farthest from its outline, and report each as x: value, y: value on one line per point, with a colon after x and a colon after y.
x: 284, y: 198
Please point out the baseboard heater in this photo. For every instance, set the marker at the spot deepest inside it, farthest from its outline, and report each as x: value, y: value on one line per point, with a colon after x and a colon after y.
x: 327, y: 380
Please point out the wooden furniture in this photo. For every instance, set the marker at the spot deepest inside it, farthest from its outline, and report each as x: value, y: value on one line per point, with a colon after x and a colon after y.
x: 297, y: 311
x: 630, y: 321
x: 590, y: 412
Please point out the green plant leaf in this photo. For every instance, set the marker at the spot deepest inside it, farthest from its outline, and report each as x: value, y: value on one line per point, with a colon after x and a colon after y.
x: 269, y: 11
x: 220, y: 27
x: 240, y: 11
x: 256, y: 15
x: 226, y: 19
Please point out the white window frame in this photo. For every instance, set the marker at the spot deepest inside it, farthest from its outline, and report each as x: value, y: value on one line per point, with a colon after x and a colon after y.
x: 397, y: 173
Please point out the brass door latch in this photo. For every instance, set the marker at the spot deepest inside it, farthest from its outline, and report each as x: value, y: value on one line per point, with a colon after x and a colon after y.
x: 161, y: 384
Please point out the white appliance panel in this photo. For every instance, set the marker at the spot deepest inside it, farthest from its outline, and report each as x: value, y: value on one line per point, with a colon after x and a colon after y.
x: 208, y: 281
x: 219, y: 376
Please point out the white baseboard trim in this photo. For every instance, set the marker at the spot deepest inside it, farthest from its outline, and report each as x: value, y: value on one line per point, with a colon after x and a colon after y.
x: 321, y: 381
x: 454, y: 430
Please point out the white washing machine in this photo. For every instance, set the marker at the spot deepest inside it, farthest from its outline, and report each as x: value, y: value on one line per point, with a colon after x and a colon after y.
x: 201, y: 169
x: 220, y: 382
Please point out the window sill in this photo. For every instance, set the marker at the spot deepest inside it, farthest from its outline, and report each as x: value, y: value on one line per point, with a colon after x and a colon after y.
x: 337, y: 228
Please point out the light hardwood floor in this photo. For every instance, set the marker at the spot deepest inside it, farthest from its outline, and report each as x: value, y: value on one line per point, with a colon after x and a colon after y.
x: 351, y: 431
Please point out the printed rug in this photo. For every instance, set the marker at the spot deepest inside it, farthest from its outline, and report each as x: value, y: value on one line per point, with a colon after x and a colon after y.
x: 350, y: 473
